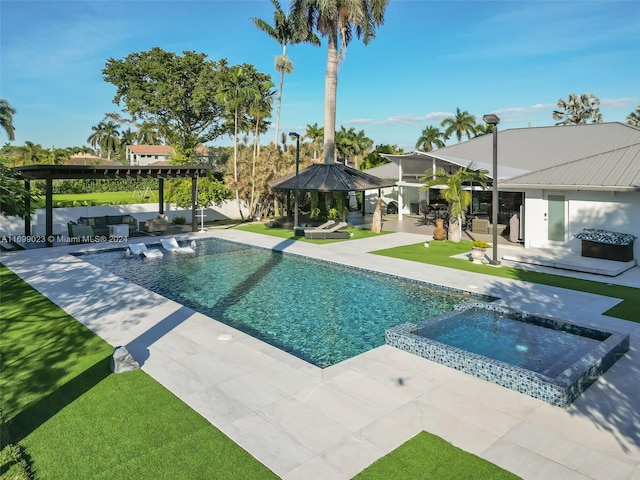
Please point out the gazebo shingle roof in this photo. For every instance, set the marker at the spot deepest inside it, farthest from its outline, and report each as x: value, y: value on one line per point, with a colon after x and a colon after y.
x: 330, y: 178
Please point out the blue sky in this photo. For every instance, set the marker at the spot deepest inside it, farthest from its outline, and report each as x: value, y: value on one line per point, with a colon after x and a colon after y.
x: 514, y: 58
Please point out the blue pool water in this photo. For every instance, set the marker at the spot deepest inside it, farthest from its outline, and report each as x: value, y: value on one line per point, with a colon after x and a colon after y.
x: 507, y: 338
x: 320, y: 312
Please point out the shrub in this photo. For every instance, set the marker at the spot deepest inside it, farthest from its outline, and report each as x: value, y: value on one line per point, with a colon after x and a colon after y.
x: 477, y: 243
x: 179, y: 221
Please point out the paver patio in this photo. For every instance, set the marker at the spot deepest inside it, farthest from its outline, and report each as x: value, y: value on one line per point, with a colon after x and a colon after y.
x: 304, y: 422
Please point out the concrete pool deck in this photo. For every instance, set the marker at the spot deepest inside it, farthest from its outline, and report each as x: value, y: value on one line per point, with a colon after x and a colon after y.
x: 304, y: 422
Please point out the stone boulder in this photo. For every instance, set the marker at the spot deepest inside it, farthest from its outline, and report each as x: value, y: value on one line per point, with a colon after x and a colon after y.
x: 123, y: 361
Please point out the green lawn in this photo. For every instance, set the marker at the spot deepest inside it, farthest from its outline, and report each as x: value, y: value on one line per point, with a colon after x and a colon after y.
x: 287, y: 234
x: 100, y: 198
x: 440, y: 253
x: 76, y: 420
x: 427, y: 456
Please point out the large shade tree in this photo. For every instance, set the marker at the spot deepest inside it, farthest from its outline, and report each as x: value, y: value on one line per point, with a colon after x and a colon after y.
x: 578, y: 109
x: 339, y: 21
x: 6, y: 118
x: 285, y: 33
x: 461, y: 124
x: 174, y: 92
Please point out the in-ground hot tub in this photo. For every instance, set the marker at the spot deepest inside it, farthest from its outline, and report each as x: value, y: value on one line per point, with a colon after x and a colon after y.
x: 549, y: 359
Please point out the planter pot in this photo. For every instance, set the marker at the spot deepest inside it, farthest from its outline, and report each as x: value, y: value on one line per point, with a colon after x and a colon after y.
x: 478, y: 254
x: 440, y: 233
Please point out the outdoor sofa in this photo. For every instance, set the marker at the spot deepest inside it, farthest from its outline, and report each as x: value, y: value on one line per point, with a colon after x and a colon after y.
x: 99, y: 226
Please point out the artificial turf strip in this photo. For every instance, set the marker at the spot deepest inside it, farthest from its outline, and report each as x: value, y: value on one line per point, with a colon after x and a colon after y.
x: 77, y: 420
x: 428, y: 457
x: 440, y: 253
x: 288, y: 234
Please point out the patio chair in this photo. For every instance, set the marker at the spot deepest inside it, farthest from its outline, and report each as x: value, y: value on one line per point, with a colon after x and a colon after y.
x: 171, y: 245
x: 332, y: 232
x: 141, y: 249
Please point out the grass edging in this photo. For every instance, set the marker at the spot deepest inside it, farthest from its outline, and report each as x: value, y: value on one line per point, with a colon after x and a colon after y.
x: 441, y: 253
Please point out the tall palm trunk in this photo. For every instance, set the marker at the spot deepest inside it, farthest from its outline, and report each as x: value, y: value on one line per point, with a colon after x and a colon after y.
x: 331, y: 88
x: 235, y: 162
x: 282, y: 72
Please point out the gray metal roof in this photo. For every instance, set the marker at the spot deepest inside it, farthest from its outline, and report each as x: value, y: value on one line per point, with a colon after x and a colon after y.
x: 330, y: 178
x: 617, y: 169
x: 522, y: 151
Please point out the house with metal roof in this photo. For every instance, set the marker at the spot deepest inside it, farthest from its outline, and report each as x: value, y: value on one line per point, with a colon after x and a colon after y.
x: 569, y: 177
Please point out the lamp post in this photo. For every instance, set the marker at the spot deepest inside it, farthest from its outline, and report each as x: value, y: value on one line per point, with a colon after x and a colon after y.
x: 296, y: 136
x: 494, y: 120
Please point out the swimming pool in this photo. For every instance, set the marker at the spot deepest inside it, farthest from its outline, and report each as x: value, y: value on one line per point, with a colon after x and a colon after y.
x: 323, y: 313
x: 549, y: 359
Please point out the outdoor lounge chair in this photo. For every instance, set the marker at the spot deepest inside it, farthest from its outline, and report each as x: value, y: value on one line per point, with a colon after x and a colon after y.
x: 324, y: 226
x: 141, y: 249
x: 332, y: 232
x: 171, y: 245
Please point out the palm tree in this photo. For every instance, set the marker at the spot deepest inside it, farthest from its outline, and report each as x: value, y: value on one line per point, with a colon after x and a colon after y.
x: 284, y: 32
x: 462, y: 123
x: 147, y: 134
x: 429, y: 138
x: 106, y: 137
x: 634, y: 117
x: 315, y: 133
x: 259, y: 108
x: 577, y: 110
x: 483, y: 129
x: 235, y: 93
x: 339, y: 21
x: 454, y: 194
x: 6, y: 118
x: 32, y: 153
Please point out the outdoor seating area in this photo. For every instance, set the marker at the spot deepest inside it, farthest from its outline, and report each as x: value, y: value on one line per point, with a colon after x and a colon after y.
x: 102, y: 226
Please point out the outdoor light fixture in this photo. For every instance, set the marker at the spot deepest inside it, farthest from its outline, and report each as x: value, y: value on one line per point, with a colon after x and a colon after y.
x: 493, y: 119
x: 296, y: 136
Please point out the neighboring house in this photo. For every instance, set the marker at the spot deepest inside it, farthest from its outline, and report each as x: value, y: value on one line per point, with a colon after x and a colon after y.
x: 564, y: 178
x: 158, y: 154
x: 148, y: 154
x: 88, y: 159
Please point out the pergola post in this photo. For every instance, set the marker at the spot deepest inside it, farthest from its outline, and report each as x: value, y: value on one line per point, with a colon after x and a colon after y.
x: 49, y: 211
x: 27, y: 207
x: 194, y: 203
x: 161, y: 196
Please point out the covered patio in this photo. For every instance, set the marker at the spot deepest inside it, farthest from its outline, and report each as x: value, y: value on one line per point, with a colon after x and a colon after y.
x: 48, y: 173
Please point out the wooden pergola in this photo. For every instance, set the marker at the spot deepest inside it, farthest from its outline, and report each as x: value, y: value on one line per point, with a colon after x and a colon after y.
x: 48, y: 173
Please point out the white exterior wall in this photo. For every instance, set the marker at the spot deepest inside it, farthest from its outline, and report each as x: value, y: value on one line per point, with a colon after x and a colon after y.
x: 390, y: 194
x: 141, y: 211
x: 615, y: 211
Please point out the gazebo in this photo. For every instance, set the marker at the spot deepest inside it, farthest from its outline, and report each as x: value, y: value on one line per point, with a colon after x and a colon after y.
x: 336, y: 177
x: 48, y: 173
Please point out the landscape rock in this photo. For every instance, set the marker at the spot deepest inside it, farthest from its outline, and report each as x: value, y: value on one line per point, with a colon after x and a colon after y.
x: 123, y: 361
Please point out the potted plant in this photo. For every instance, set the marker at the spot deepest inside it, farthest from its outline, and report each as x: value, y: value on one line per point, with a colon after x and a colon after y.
x: 454, y: 190
x: 478, y: 250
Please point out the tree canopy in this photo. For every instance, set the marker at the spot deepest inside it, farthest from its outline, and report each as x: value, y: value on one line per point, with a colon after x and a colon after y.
x: 578, y: 109
x: 172, y: 91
